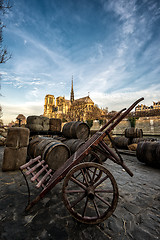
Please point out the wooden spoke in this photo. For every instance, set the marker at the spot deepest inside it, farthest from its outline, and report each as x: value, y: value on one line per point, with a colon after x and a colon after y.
x: 96, y: 208
x: 94, y: 200
x: 88, y: 174
x: 77, y: 175
x: 78, y: 200
x: 94, y: 173
x: 103, y: 191
x: 104, y: 201
x: 84, y: 210
x: 84, y: 176
x: 74, y: 191
x: 78, y: 182
x: 102, y: 180
x: 93, y: 157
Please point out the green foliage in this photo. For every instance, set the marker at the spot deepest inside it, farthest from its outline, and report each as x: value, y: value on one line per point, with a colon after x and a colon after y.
x: 64, y: 120
x: 90, y: 123
x: 132, y: 121
x: 100, y: 121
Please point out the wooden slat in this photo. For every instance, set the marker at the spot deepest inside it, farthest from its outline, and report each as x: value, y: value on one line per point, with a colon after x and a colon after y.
x: 30, y: 163
x: 34, y: 168
x: 43, y: 179
x: 39, y: 173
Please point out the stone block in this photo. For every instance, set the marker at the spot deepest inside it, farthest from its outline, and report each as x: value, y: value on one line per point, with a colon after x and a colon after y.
x: 13, y: 158
x: 17, y: 137
x: 35, y: 127
x: 55, y: 124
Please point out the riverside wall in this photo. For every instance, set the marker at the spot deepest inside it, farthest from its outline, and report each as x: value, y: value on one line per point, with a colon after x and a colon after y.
x: 149, y: 125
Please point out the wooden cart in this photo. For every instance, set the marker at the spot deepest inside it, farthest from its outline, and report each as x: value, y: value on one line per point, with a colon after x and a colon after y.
x: 90, y: 192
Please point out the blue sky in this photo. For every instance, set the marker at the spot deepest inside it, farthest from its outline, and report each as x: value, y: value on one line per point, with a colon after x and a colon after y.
x: 111, y: 47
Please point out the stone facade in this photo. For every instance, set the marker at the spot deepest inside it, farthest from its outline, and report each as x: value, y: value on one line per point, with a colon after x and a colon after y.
x: 149, y: 125
x: 80, y: 109
x: 156, y: 106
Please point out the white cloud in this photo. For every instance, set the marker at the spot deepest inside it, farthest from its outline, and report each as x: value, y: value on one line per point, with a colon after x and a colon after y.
x: 3, y: 73
x: 11, y: 111
x: 114, y: 72
x: 122, y: 8
x: 118, y: 100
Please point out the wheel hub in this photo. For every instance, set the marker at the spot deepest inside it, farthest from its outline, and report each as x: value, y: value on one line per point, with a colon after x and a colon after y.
x: 90, y: 192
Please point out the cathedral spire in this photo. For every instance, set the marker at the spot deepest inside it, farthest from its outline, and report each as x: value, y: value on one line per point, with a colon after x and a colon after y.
x: 72, y: 92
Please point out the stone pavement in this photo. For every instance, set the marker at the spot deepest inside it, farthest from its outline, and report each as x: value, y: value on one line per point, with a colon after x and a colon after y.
x: 137, y: 215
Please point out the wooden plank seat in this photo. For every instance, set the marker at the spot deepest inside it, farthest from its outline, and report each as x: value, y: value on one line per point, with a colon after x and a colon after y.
x: 38, y: 170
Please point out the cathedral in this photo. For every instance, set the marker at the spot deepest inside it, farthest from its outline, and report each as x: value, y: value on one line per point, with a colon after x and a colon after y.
x: 81, y: 109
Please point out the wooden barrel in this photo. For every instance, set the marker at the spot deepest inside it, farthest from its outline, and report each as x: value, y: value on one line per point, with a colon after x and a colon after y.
x: 133, y: 132
x: 137, y: 140
x: 74, y: 144
x: 59, y: 138
x: 55, y: 154
x: 40, y: 146
x: 32, y: 146
x: 55, y: 124
x: 149, y: 153
x: 76, y: 129
x: 121, y: 142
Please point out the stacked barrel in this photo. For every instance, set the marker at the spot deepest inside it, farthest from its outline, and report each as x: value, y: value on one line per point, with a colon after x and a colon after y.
x: 121, y: 142
x: 76, y: 133
x: 56, y: 150
x: 131, y: 134
x: 52, y: 151
x: 149, y: 152
x: 15, y: 152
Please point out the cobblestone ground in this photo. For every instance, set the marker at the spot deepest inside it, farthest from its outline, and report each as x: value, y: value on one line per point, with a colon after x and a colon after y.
x: 137, y: 215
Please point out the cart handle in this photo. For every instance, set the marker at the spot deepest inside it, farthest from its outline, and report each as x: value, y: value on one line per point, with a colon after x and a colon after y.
x: 112, y: 119
x: 123, y: 115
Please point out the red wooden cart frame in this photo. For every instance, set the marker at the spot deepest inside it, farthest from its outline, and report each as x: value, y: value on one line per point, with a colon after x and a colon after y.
x: 93, y: 173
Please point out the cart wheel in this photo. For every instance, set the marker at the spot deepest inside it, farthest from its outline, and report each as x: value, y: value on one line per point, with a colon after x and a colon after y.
x: 93, y: 157
x: 87, y: 200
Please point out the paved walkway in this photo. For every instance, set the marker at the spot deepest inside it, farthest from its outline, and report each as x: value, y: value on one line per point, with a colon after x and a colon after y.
x: 137, y: 215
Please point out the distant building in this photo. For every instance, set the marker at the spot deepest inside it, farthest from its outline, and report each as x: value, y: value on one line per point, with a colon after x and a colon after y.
x: 20, y: 120
x: 156, y: 106
x: 80, y: 109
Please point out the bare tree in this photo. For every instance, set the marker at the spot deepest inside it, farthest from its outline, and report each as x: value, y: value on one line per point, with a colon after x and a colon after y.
x: 4, y: 55
x: 79, y: 111
x: 1, y: 113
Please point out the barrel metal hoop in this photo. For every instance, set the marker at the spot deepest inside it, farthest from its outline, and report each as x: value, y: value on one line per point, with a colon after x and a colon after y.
x: 55, y: 143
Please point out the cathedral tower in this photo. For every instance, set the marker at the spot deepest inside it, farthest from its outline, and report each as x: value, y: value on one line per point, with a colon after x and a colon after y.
x: 72, y: 92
